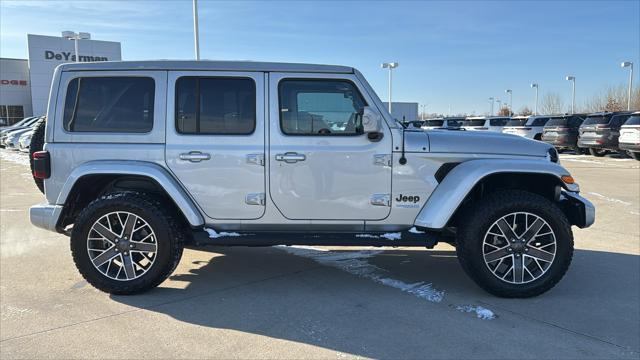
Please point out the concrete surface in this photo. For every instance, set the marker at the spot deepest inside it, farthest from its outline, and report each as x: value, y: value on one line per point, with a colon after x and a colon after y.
x: 324, y: 303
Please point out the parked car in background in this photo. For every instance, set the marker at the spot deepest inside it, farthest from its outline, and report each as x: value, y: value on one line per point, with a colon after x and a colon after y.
x: 11, y: 142
x: 600, y: 132
x: 562, y: 131
x: 25, y: 141
x: 443, y: 123
x: 9, y: 135
x: 629, y: 139
x: 530, y: 127
x: 492, y: 123
x: 22, y: 124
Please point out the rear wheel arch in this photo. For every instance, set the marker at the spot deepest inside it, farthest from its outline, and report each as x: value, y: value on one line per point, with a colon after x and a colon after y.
x: 92, y: 186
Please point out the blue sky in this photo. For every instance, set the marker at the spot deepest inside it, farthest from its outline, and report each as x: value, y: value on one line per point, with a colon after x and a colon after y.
x: 457, y: 52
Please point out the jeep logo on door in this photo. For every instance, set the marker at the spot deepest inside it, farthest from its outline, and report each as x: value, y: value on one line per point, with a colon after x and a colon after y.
x: 407, y: 201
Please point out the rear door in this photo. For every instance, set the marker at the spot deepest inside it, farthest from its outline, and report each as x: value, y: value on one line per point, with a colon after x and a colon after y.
x: 215, y: 140
x: 321, y: 166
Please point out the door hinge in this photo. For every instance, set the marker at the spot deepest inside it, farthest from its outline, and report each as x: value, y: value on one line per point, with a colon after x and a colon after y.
x: 256, y: 159
x: 381, y: 199
x: 254, y: 199
x: 382, y: 159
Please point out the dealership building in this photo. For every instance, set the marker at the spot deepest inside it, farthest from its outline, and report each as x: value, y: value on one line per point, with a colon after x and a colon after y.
x: 25, y: 83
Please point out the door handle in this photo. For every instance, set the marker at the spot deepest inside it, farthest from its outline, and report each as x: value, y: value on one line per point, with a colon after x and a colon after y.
x: 290, y: 157
x: 195, y: 156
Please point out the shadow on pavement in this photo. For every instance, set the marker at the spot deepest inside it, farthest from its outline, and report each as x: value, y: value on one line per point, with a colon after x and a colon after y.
x: 268, y: 292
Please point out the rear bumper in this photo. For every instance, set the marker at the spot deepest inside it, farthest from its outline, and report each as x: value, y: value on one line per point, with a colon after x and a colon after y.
x: 561, y: 141
x: 579, y: 210
x: 45, y: 216
x: 630, y: 147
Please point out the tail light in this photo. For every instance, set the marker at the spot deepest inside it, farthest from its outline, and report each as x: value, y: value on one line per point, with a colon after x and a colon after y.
x: 41, y: 165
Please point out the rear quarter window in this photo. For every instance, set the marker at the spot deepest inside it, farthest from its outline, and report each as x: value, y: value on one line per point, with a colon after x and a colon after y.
x: 109, y: 104
x: 634, y: 120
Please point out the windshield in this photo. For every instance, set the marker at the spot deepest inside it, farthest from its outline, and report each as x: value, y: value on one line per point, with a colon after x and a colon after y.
x: 597, y: 120
x: 634, y: 120
x: 516, y: 122
x: 475, y: 122
x: 433, y: 123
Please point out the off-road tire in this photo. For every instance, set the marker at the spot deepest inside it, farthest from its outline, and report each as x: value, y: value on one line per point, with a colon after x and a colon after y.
x: 597, y: 152
x: 484, y: 213
x: 169, y: 239
x: 37, y: 144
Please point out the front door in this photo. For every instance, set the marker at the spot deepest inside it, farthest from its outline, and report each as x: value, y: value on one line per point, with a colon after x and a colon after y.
x: 322, y: 167
x: 215, y: 140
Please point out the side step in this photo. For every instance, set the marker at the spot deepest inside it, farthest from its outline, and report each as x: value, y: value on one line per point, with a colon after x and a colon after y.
x: 404, y: 238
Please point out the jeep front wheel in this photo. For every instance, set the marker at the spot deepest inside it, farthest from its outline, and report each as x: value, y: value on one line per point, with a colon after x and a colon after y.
x: 516, y: 244
x: 126, y: 243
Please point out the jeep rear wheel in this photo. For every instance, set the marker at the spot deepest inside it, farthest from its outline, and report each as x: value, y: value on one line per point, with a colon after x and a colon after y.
x: 126, y: 243
x: 516, y: 244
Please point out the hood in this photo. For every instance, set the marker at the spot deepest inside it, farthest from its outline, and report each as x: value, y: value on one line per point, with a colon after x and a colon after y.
x: 474, y: 142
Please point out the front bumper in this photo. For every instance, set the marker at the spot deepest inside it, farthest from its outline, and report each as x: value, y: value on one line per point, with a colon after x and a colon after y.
x: 45, y: 216
x: 579, y: 210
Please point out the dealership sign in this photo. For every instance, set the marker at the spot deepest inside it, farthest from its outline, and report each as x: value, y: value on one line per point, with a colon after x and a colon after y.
x: 67, y: 56
x: 13, y: 82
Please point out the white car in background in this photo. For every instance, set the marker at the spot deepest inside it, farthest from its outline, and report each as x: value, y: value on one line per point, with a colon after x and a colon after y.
x: 629, y: 139
x: 530, y: 127
x: 443, y: 123
x: 479, y: 123
x: 25, y: 141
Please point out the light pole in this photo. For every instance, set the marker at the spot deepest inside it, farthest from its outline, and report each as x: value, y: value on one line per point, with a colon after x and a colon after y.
x: 573, y: 92
x: 424, y: 108
x: 508, y: 91
x: 535, y: 109
x: 390, y: 66
x: 499, y: 105
x: 629, y: 64
x: 70, y: 35
x: 491, y: 101
x: 196, y: 31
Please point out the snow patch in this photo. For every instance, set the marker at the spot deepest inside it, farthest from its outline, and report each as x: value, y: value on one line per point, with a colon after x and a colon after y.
x: 481, y: 313
x: 413, y: 230
x: 388, y: 236
x: 354, y: 262
x: 609, y: 199
x: 14, y: 157
x: 214, y: 234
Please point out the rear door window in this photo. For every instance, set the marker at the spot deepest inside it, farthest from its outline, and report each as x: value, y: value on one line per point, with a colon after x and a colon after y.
x: 215, y: 106
x: 109, y: 104
x: 498, y: 121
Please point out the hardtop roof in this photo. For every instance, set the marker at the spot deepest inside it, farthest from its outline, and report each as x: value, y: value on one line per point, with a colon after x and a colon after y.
x: 204, y: 65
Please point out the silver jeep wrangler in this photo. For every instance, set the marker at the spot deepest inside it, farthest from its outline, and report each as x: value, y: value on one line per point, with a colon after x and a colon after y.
x: 139, y: 159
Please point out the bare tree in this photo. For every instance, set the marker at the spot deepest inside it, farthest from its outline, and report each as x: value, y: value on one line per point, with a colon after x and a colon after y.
x: 551, y: 104
x: 525, y: 111
x: 614, y: 98
x: 504, y: 111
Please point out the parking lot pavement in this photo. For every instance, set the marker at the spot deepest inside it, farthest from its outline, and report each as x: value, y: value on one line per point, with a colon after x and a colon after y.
x: 325, y: 302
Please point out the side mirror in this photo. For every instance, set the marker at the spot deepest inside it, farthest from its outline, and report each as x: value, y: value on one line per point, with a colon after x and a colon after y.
x: 371, y: 120
x: 371, y: 124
